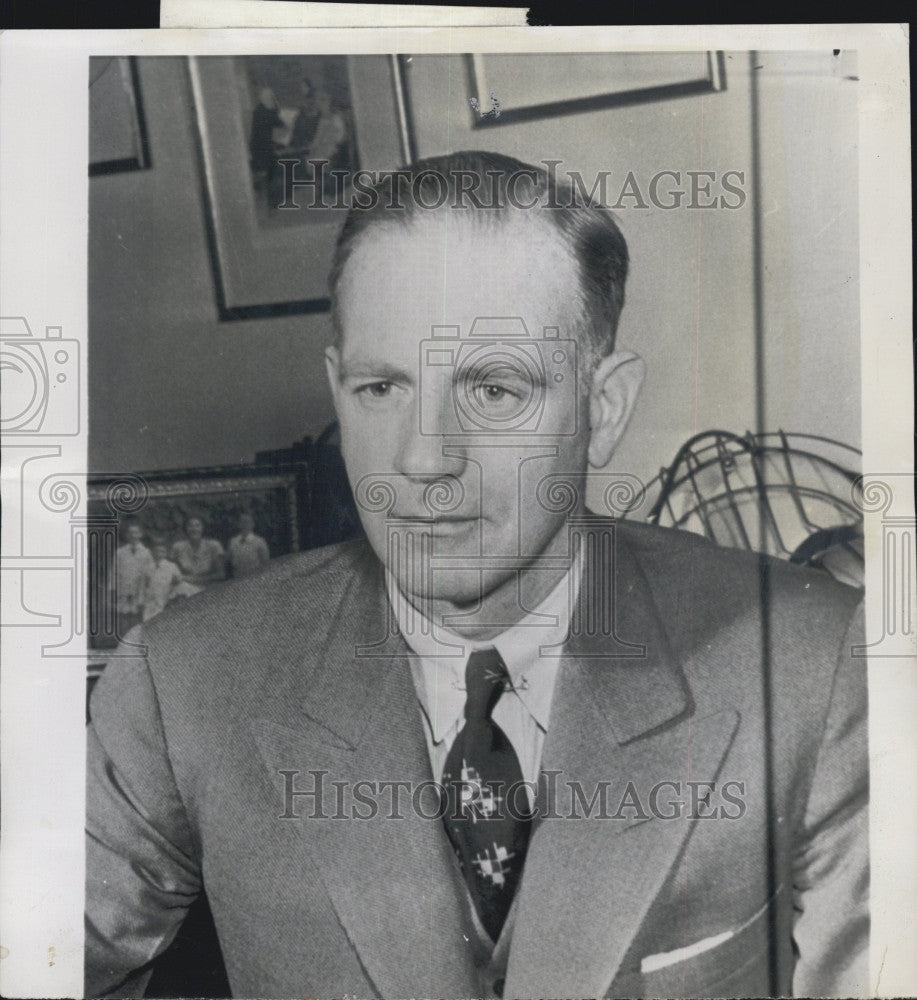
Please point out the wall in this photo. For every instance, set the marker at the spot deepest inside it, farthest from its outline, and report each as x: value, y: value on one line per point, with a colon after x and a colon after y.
x: 171, y: 386
x: 810, y: 213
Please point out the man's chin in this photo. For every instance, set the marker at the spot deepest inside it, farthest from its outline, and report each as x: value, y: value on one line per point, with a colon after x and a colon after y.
x: 461, y: 590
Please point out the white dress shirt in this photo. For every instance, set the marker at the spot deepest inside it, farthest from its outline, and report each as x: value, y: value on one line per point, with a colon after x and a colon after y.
x: 438, y: 666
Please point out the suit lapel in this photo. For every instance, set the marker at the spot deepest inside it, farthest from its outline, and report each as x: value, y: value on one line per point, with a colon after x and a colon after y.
x: 392, y: 881
x: 627, y: 722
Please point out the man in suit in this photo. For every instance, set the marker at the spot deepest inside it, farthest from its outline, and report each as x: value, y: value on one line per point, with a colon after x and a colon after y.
x: 503, y: 747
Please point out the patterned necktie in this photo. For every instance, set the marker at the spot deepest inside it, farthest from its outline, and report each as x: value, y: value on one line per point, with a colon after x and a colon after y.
x: 488, y: 818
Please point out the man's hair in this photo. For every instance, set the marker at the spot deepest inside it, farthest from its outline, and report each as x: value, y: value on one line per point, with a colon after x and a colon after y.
x: 505, y: 185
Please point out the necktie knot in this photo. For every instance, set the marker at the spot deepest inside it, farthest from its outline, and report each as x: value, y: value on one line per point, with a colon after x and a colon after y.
x: 485, y: 680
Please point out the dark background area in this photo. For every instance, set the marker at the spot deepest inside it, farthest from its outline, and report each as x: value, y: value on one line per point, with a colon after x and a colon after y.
x: 145, y: 13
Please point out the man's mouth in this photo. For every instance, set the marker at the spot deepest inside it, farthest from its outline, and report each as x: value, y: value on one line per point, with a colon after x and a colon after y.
x: 436, y: 519
x: 435, y: 524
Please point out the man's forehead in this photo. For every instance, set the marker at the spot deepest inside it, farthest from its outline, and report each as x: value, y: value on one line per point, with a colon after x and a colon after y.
x: 449, y: 267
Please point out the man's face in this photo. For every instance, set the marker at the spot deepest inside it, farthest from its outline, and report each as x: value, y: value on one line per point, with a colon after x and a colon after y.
x: 195, y: 529
x: 246, y: 524
x: 134, y: 534
x: 435, y: 422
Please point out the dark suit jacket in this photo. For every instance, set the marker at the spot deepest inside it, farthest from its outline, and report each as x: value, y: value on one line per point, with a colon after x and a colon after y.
x: 260, y: 677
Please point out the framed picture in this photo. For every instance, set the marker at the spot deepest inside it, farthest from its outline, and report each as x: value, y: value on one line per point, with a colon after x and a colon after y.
x: 280, y: 141
x: 509, y: 89
x: 118, y: 138
x: 157, y: 509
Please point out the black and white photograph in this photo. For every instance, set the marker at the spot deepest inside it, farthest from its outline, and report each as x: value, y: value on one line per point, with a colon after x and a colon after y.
x: 479, y: 577
x: 274, y: 135
x: 300, y: 110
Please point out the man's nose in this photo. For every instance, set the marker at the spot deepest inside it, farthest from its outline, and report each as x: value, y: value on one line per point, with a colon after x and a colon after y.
x: 422, y: 454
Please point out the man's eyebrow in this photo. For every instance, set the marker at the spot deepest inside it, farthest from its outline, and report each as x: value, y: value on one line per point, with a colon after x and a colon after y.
x: 373, y: 368
x: 507, y: 371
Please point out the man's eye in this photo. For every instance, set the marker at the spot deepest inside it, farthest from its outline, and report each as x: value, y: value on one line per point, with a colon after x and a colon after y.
x: 375, y: 390
x: 490, y: 392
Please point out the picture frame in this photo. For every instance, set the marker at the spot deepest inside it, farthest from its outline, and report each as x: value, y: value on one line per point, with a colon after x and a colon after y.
x: 277, y: 263
x: 276, y: 496
x: 503, y: 92
x: 118, y: 138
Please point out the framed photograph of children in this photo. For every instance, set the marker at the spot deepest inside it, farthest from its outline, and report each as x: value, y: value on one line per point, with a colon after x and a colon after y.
x: 155, y: 538
x: 280, y: 139
x: 509, y: 89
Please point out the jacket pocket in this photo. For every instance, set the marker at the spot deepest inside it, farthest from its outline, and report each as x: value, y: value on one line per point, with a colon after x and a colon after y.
x: 733, y: 963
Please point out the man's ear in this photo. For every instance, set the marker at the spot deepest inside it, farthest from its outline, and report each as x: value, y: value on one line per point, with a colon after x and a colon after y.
x: 615, y: 387
x: 333, y: 367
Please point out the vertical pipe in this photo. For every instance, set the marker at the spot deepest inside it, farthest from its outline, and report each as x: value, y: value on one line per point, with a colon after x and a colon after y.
x: 403, y: 109
x: 764, y: 593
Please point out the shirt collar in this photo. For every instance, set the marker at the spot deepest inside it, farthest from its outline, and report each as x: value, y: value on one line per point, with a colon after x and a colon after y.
x: 440, y: 654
